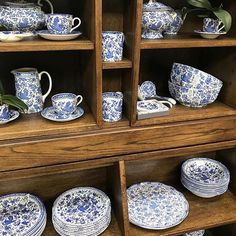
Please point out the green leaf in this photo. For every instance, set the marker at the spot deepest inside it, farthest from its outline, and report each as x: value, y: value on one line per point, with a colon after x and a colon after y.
x: 14, y: 101
x: 225, y: 17
x: 200, y: 3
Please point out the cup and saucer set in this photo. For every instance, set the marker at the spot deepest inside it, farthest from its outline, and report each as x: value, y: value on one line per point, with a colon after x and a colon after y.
x: 212, y: 28
x: 65, y: 107
x: 151, y: 104
x: 60, y: 27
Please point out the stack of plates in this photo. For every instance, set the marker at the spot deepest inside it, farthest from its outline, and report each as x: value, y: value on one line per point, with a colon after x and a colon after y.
x: 81, y: 211
x: 153, y: 205
x: 205, y: 177
x: 22, y: 214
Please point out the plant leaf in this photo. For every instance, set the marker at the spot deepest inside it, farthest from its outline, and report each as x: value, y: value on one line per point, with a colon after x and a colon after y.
x: 225, y: 17
x: 14, y: 101
x: 200, y: 3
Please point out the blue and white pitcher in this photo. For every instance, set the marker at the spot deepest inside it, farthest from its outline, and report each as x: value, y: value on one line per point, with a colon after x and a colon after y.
x: 28, y: 88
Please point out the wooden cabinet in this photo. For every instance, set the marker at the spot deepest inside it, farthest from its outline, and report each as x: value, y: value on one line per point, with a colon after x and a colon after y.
x: 47, y: 158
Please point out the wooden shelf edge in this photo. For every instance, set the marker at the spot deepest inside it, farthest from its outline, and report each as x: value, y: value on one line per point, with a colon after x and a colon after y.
x: 124, y: 64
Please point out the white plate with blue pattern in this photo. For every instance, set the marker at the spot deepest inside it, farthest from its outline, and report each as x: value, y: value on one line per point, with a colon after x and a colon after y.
x: 59, y: 37
x: 13, y: 115
x: 49, y: 113
x: 153, y: 205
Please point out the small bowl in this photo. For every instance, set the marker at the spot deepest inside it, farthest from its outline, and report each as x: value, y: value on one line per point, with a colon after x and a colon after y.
x: 189, y: 76
x: 193, y: 97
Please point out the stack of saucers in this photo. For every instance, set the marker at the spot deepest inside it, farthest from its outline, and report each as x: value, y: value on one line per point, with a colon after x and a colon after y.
x: 205, y: 177
x: 81, y: 211
x: 22, y: 214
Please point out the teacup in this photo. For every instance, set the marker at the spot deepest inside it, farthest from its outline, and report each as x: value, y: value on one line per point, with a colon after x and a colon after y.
x: 212, y: 25
x: 66, y: 103
x: 61, y: 23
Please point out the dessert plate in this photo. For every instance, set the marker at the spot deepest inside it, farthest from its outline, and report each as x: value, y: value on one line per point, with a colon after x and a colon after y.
x: 209, y: 35
x: 49, y: 113
x: 58, y: 37
x: 13, y: 115
x: 14, y: 36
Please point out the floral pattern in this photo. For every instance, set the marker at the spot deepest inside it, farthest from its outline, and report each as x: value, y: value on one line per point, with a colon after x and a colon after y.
x: 154, y: 205
x: 112, y: 46
x: 112, y: 106
x: 4, y: 112
x: 175, y: 24
x: 151, y: 105
x: 195, y: 233
x: 212, y: 25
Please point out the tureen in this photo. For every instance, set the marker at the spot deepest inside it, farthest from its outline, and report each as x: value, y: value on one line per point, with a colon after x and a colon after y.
x: 23, y: 16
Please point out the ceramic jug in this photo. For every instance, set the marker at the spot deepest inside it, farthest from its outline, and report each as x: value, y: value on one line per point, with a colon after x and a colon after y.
x: 28, y: 88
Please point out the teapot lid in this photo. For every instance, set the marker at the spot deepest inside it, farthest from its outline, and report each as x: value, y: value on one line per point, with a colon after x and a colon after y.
x: 20, y: 3
x: 152, y: 5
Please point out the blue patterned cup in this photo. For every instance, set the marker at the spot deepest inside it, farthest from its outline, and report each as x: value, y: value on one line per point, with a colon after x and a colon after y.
x: 112, y: 46
x: 4, y: 112
x: 212, y: 25
x: 65, y: 103
x: 112, y: 103
x: 61, y: 23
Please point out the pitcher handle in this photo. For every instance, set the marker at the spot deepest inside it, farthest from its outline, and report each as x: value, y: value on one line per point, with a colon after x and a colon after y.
x: 73, y: 22
x: 50, y: 83
x: 81, y: 99
x: 49, y: 3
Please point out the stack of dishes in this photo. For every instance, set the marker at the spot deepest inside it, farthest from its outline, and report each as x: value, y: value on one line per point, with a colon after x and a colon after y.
x: 22, y: 214
x: 153, y: 205
x: 81, y: 211
x: 205, y: 177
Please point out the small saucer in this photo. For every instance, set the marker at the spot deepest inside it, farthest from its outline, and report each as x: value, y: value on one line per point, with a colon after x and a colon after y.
x: 209, y: 35
x: 13, y: 115
x: 58, y: 37
x: 14, y: 36
x: 49, y: 113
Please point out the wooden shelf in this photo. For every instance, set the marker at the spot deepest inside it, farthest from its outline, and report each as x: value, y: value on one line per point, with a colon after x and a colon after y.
x: 182, y: 113
x: 204, y: 213
x: 125, y: 63
x: 112, y: 230
x: 187, y: 41
x: 46, y: 45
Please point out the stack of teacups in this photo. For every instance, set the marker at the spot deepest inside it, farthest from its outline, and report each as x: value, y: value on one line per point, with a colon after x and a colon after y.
x: 81, y: 211
x: 193, y: 87
x: 22, y: 214
x: 205, y: 177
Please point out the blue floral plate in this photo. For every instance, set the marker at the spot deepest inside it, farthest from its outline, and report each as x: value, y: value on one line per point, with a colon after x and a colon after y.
x: 59, y: 37
x: 13, y: 115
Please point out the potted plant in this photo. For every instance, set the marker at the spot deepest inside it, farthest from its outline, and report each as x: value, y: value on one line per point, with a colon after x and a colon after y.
x: 7, y: 100
x: 207, y: 10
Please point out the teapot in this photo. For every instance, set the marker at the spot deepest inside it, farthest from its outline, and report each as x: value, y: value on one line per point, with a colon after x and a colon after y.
x: 23, y: 16
x: 158, y: 18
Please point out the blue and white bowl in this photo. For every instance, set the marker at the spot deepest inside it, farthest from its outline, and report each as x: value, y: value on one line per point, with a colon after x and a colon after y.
x: 188, y: 76
x: 193, y: 97
x: 112, y: 46
x: 112, y: 104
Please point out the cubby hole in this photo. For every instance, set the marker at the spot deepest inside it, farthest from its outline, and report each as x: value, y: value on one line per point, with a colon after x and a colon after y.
x: 71, y: 71
x: 49, y: 186
x: 155, y: 65
x: 204, y: 213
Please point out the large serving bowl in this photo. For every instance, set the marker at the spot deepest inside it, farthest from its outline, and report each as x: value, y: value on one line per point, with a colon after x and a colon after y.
x: 193, y: 97
x: 189, y: 76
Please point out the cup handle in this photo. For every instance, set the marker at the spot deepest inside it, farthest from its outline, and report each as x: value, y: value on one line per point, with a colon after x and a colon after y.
x: 222, y: 27
x: 81, y: 99
x: 49, y: 3
x: 73, y: 22
x: 50, y: 83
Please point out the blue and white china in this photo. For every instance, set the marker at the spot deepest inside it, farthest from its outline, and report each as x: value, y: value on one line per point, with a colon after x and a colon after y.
x: 61, y: 23
x: 23, y: 16
x: 22, y: 214
x: 209, y: 35
x: 212, y: 25
x: 12, y: 115
x: 28, y: 89
x: 14, y: 36
x: 159, y: 18
x: 66, y: 103
x: 81, y: 211
x: 195, y: 233
x: 151, y: 106
x: 59, y: 37
x: 112, y: 46
x: 189, y: 76
x: 112, y: 103
x: 205, y: 177
x: 175, y: 25
x: 153, y: 205
x: 50, y: 113
x: 4, y: 112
